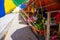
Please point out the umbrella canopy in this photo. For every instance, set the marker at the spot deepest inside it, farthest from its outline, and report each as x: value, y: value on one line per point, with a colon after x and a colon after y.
x: 6, y: 6
x: 2, y: 11
x: 11, y: 4
x: 18, y: 2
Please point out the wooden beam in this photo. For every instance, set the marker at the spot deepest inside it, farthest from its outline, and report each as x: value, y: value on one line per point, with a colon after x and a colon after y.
x: 53, y: 11
x: 48, y: 27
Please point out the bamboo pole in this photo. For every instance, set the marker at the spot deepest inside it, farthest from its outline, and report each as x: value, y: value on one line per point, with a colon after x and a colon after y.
x: 48, y: 27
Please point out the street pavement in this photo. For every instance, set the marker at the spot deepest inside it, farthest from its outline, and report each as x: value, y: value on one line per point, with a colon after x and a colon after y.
x: 19, y: 30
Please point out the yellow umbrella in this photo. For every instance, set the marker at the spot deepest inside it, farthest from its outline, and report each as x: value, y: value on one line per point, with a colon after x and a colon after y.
x: 11, y: 4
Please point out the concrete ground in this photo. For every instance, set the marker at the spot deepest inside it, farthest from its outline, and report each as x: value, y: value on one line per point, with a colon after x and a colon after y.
x: 19, y: 31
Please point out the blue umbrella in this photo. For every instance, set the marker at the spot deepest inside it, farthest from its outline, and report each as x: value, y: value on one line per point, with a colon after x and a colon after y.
x: 2, y: 11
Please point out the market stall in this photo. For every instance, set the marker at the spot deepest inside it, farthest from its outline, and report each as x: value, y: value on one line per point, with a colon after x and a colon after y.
x: 41, y: 15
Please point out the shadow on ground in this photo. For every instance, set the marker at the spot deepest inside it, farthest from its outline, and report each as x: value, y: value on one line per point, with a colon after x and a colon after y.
x: 23, y: 34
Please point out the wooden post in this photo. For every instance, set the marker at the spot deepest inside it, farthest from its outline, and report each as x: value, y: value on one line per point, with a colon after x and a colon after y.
x: 48, y: 27
x: 59, y: 26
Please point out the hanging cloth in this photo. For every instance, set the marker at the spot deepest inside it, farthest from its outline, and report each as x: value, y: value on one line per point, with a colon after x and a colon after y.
x: 28, y: 8
x: 58, y: 17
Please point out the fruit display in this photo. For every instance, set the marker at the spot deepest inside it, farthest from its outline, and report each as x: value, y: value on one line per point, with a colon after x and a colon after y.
x: 37, y: 15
